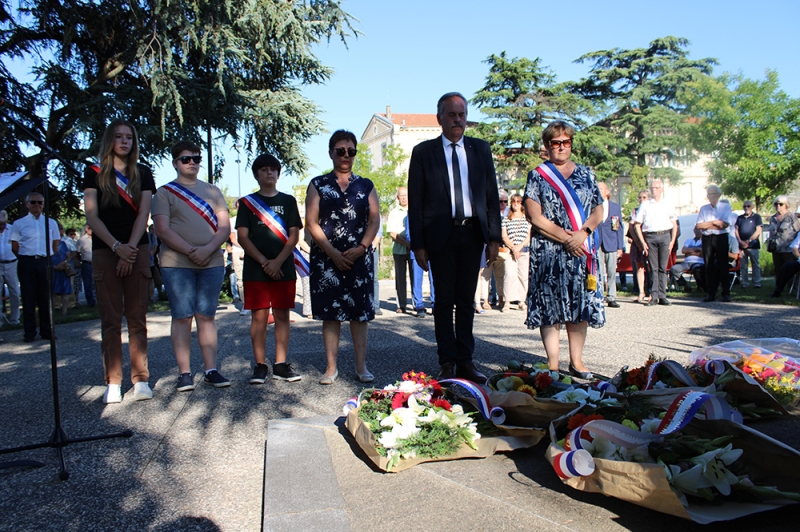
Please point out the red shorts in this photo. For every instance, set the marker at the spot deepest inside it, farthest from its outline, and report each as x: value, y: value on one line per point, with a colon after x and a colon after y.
x: 276, y: 294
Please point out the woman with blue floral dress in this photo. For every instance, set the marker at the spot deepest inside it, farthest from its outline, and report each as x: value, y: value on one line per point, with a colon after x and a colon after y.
x: 342, y: 215
x: 562, y: 290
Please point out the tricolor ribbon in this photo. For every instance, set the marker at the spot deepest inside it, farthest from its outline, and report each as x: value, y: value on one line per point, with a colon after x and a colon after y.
x: 573, y: 207
x: 495, y: 415
x: 682, y: 410
x: 676, y: 369
x: 275, y: 223
x: 122, y: 187
x: 195, y: 202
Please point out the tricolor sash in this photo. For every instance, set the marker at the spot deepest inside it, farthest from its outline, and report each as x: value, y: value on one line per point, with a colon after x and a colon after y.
x: 195, y: 202
x: 575, y: 212
x: 122, y: 187
x: 275, y: 223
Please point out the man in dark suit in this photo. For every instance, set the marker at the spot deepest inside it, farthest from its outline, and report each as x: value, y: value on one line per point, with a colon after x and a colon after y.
x: 450, y: 220
x: 610, y: 243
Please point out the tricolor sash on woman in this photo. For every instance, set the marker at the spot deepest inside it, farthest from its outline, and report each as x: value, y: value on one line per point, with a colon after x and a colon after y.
x: 575, y: 213
x: 195, y: 202
x: 122, y: 187
x: 275, y: 223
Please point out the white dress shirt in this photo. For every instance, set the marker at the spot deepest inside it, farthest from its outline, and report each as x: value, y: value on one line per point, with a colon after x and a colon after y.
x: 5, y: 245
x: 462, y: 166
x: 708, y: 213
x: 655, y: 215
x: 29, y: 232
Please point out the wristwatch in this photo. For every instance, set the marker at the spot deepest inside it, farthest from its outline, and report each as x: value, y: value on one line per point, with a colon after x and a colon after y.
x: 588, y: 231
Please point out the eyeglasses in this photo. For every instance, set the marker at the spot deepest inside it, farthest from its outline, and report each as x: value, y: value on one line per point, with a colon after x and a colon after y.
x: 566, y: 144
x: 352, y: 152
x: 186, y: 158
x: 776, y: 204
x: 36, y: 202
x: 748, y: 206
x: 503, y: 201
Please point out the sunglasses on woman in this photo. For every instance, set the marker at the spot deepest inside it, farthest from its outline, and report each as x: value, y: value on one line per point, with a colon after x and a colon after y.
x: 352, y: 152
x: 186, y: 158
x: 555, y: 144
x: 778, y: 204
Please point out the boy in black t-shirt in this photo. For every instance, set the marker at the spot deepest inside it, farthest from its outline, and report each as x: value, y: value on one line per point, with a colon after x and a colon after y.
x: 268, y: 224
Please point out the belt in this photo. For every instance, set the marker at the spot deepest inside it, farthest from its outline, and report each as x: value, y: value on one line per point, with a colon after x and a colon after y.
x: 8, y: 261
x: 465, y: 221
x: 36, y: 257
x: 658, y: 233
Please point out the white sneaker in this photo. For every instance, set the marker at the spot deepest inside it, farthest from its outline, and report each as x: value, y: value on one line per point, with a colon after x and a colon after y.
x: 113, y: 394
x: 244, y: 312
x: 142, y: 391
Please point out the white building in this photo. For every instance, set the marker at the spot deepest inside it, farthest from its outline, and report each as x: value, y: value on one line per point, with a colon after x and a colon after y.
x: 403, y: 130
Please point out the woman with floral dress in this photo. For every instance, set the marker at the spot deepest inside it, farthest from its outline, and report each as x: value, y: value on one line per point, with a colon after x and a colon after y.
x: 342, y: 215
x: 563, y: 283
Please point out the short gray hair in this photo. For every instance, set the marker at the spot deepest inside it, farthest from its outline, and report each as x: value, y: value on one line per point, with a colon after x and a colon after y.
x: 447, y: 96
x: 3, y: 216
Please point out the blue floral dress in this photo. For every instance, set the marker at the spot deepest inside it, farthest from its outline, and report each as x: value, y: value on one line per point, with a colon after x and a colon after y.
x: 62, y: 284
x: 343, y: 215
x: 557, y: 291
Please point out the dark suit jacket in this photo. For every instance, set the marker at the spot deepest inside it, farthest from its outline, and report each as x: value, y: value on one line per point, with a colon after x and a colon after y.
x: 609, y: 240
x: 429, y: 203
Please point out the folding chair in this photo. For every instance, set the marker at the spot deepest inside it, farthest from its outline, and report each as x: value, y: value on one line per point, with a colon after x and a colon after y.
x: 733, y: 271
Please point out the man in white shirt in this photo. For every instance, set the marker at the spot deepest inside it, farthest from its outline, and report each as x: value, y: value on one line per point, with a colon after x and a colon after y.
x: 713, y: 220
x: 396, y: 225
x: 692, y: 261
x: 8, y: 269
x: 656, y: 230
x: 28, y: 242
x: 85, y: 249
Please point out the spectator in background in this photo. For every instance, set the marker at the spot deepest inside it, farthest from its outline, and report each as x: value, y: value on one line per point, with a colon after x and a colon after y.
x: 85, y: 250
x: 8, y: 269
x: 62, y: 284
x: 610, y: 243
x: 376, y: 255
x: 498, y: 267
x: 783, y: 229
x: 237, y: 256
x: 417, y: 298
x: 748, y: 234
x: 713, y: 220
x: 401, y: 251
x: 638, y: 258
x: 656, y: 230
x: 692, y: 262
x: 516, y: 235
x: 789, y: 269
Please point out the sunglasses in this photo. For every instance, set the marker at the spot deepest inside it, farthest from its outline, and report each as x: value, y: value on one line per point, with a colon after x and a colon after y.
x: 186, y: 158
x: 567, y: 144
x: 36, y: 202
x: 352, y: 152
x: 503, y: 201
x: 748, y: 206
x: 778, y: 204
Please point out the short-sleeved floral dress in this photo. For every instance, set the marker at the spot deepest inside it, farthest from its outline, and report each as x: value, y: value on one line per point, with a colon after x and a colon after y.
x: 343, y: 215
x: 557, y: 291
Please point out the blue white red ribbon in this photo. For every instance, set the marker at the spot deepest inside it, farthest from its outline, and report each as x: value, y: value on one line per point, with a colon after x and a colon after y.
x: 682, y: 410
x: 195, y: 202
x: 605, y: 386
x: 122, y: 187
x: 676, y: 369
x: 275, y: 223
x: 496, y: 415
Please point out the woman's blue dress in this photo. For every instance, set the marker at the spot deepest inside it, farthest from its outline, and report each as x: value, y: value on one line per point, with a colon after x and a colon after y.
x: 557, y: 291
x: 343, y: 215
x: 62, y: 284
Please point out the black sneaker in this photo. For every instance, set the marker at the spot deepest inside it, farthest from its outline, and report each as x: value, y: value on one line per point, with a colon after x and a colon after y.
x: 284, y: 372
x: 185, y: 382
x: 260, y: 373
x: 215, y: 379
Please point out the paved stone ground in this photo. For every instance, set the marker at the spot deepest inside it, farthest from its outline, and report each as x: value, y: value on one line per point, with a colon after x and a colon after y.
x: 197, y: 461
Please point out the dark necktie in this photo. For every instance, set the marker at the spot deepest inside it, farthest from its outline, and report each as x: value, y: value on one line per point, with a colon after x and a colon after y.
x: 457, y: 185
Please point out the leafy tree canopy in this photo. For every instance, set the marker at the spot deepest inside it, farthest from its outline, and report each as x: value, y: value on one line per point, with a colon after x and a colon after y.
x: 178, y: 70
x: 385, y: 178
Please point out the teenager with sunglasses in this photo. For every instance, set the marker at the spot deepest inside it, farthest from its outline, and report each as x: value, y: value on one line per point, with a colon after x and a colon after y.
x: 117, y: 196
x: 191, y: 220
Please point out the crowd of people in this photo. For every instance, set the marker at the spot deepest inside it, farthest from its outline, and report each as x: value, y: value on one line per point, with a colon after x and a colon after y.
x: 551, y: 252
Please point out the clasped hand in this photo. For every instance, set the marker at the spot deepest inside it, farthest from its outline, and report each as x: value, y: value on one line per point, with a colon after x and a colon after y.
x: 199, y: 255
x: 574, y: 243
x: 127, y: 256
x: 272, y: 268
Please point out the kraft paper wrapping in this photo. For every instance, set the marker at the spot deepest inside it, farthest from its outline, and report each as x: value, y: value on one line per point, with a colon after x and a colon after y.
x: 767, y: 461
x: 522, y: 410
x: 487, y: 446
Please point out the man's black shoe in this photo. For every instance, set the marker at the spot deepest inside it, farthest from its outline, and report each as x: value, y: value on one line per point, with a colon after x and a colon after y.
x: 446, y: 371
x: 725, y: 298
x: 709, y: 299
x: 612, y: 304
x: 664, y: 301
x: 467, y: 371
x: 652, y: 302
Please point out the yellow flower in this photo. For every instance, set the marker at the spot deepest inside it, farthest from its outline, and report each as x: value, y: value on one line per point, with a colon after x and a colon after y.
x: 525, y: 388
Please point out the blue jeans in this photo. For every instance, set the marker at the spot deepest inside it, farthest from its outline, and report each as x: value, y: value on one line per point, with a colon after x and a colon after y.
x: 193, y: 290
x: 416, y: 286
x: 88, y: 284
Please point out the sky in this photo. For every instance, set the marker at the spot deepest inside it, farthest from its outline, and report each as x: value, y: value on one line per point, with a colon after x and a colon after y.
x: 412, y: 51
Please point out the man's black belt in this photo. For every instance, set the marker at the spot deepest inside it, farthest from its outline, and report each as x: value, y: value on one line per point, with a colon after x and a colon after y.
x: 36, y: 257
x: 658, y: 233
x: 465, y: 221
x: 8, y: 261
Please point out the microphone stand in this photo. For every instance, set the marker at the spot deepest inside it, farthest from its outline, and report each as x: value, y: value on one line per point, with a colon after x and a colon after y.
x: 59, y: 439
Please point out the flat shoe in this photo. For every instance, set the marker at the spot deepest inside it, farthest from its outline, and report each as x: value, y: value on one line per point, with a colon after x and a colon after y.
x: 580, y: 374
x: 365, y: 377
x: 329, y: 380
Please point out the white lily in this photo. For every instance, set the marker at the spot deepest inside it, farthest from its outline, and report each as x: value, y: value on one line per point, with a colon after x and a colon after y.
x: 409, y: 387
x: 650, y: 426
x: 415, y: 406
x: 713, y: 467
x: 689, y: 481
x: 572, y: 396
x: 400, y: 416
